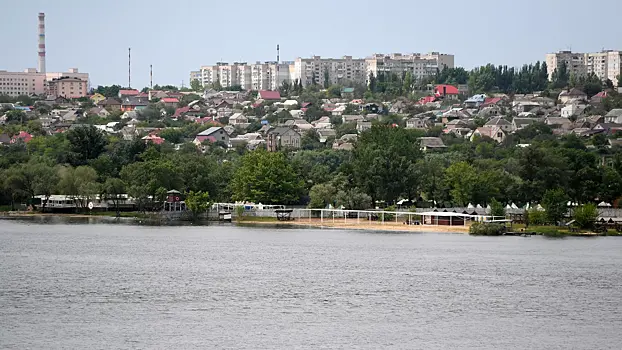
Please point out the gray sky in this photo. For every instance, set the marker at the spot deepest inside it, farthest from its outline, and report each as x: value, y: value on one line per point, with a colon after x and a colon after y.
x: 179, y: 36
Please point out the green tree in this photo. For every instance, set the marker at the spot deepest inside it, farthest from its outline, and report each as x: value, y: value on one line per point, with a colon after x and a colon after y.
x: 585, y: 215
x: 555, y: 202
x: 353, y: 199
x: 266, y: 177
x: 114, y: 189
x: 196, y: 85
x: 461, y: 178
x: 321, y: 195
x: 198, y: 203
x: 85, y: 143
x: 496, y: 208
x: 79, y: 184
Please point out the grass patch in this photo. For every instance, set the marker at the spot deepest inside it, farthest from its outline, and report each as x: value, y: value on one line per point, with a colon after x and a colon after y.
x: 256, y: 219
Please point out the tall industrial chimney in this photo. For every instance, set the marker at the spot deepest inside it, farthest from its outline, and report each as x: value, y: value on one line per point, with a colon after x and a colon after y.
x: 41, y: 42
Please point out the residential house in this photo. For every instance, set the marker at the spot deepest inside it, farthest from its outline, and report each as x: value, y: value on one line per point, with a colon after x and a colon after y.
x: 573, y: 94
x: 362, y: 126
x: 110, y: 104
x: 347, y: 92
x: 446, y: 91
x: 130, y: 115
x: 352, y: 118
x: 155, y: 139
x: 398, y: 107
x: 170, y: 101
x: 267, y: 95
x: 128, y: 93
x: 71, y: 115
x: 238, y: 119
x: 22, y: 137
x: 571, y: 110
x: 521, y: 123
x: 608, y: 128
x: 614, y: 116
x: 372, y: 108
x: 418, y: 123
x: 291, y: 104
x: 493, y: 132
x: 134, y: 103
x: 282, y: 137
x: 96, y: 98
x: 494, y: 101
x: 524, y: 106
x: 322, y: 123
x: 213, y: 134
x: 99, y: 111
x: 297, y: 113
x: 5, y: 139
x: 597, y: 99
x: 559, y: 123
x: 339, y: 110
x: 489, y: 112
x: 475, y: 101
x: 345, y: 142
x: 325, y: 134
x: 431, y: 143
x: 299, y: 124
x: 501, y: 123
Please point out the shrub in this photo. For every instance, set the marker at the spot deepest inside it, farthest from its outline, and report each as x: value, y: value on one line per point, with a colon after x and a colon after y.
x: 486, y: 229
x: 585, y: 215
x: 551, y: 232
x: 537, y: 217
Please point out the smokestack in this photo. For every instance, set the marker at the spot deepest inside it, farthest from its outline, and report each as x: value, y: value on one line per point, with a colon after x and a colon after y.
x: 151, y: 76
x: 41, y: 42
x: 129, y: 67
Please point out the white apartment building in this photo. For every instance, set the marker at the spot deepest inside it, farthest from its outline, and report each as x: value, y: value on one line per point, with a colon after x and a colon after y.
x: 340, y: 70
x: 244, y: 76
x: 605, y: 64
x: 196, y: 75
x: 269, y: 75
x: 228, y: 74
x: 28, y: 82
x: 209, y: 75
x: 420, y: 66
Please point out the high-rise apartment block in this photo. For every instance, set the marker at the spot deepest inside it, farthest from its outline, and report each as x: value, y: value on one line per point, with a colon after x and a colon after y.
x: 319, y: 70
x: 334, y: 70
x: 421, y: 66
x: 605, y: 64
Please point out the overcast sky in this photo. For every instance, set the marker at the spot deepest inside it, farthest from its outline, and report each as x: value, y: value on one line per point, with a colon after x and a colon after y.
x: 179, y: 36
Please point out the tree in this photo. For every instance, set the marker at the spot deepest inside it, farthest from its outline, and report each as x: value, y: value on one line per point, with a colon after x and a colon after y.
x: 326, y: 78
x: 585, y: 215
x: 197, y: 202
x: 561, y: 77
x: 496, y: 208
x: 79, y: 184
x: 353, y: 199
x: 85, y: 142
x: 334, y: 91
x: 322, y: 195
x: 266, y: 177
x: 310, y: 140
x: 113, y: 189
x: 555, y: 202
x: 196, y: 85
x: 461, y: 178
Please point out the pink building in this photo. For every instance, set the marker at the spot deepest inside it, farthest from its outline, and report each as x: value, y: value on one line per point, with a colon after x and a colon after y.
x: 67, y: 87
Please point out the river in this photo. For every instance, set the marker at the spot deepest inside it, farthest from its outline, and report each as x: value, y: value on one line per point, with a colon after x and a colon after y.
x: 225, y: 287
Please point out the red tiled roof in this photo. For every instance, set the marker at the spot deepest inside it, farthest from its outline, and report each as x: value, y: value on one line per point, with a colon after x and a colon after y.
x: 169, y: 100
x: 180, y: 111
x: 444, y: 88
x: 24, y: 136
x: 305, y: 104
x: 491, y: 101
x: 426, y: 99
x: 129, y: 92
x: 269, y: 95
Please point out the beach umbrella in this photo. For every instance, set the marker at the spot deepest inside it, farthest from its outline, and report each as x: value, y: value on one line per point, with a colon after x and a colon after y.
x: 479, y: 206
x: 539, y: 207
x: 508, y: 207
x: 514, y: 206
x: 470, y: 206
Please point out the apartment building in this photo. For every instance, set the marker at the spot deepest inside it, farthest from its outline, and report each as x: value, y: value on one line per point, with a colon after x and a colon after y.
x: 339, y: 70
x: 244, y: 76
x: 209, y: 75
x: 67, y: 87
x: 71, y: 73
x: 196, y: 75
x: 228, y: 74
x: 605, y: 64
x: 419, y: 65
x: 28, y: 82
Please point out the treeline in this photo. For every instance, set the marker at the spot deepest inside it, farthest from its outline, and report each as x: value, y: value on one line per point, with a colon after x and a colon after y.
x: 385, y: 166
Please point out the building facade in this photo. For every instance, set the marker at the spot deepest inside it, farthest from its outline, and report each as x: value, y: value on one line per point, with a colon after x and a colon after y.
x: 29, y: 82
x: 196, y: 75
x: 420, y: 66
x: 67, y: 87
x: 319, y: 70
x: 605, y: 64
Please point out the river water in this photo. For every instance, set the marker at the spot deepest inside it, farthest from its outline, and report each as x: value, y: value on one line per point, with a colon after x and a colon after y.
x: 225, y: 287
